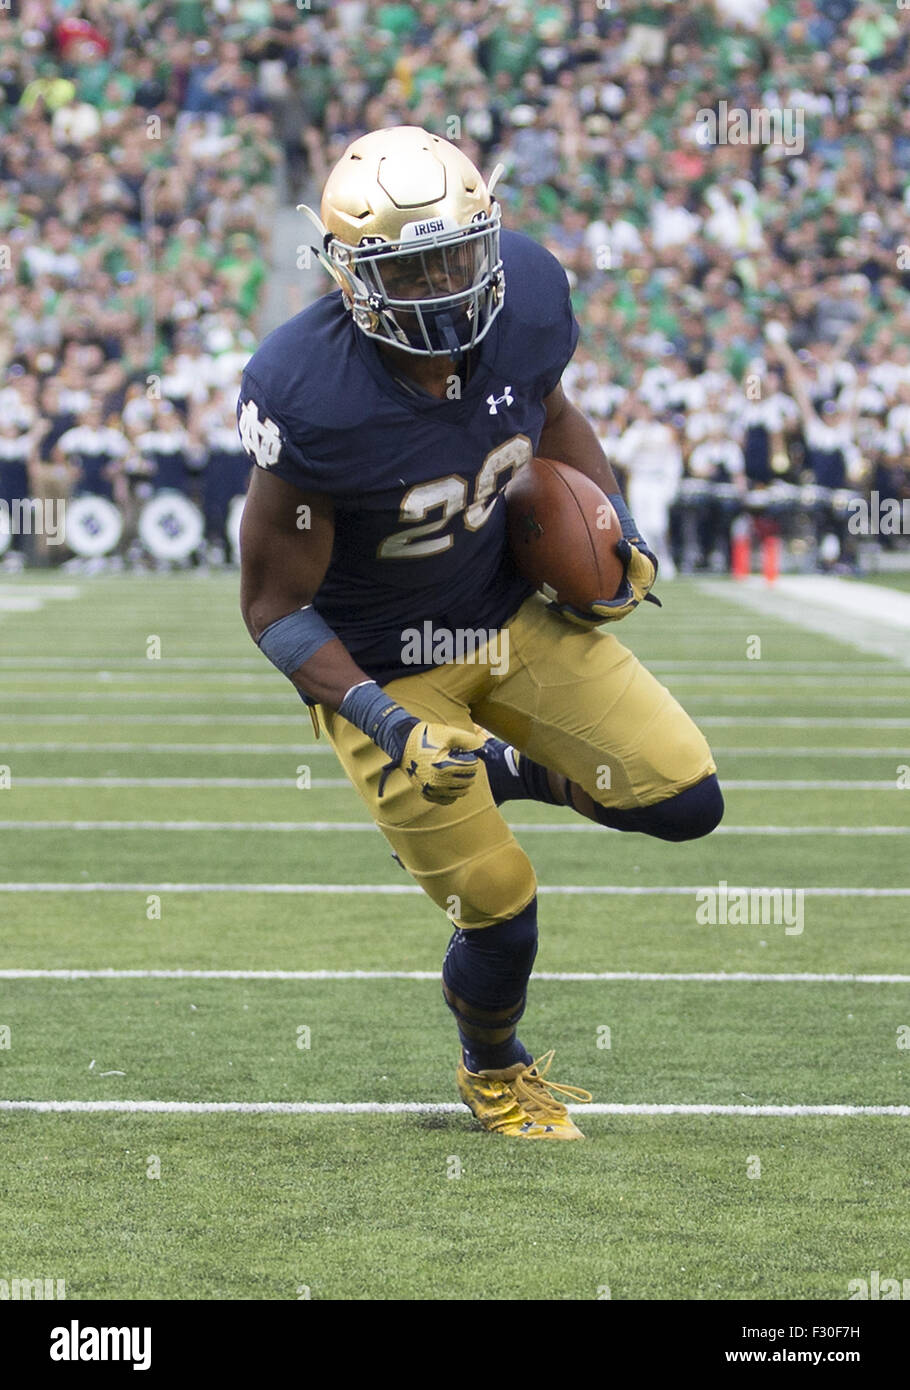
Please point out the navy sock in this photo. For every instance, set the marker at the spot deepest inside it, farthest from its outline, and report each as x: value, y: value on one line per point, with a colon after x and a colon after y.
x: 485, y: 977
x: 513, y: 776
x: 495, y: 1056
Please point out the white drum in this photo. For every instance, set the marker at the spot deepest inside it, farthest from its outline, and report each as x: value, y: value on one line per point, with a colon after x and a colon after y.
x: 232, y: 526
x: 171, y: 527
x: 93, y: 525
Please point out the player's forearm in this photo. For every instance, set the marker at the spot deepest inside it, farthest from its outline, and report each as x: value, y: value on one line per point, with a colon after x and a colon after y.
x: 326, y: 670
x: 306, y: 650
x: 571, y: 439
x: 329, y: 675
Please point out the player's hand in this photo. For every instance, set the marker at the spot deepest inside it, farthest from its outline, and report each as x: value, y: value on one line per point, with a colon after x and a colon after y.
x: 639, y: 574
x: 440, y: 761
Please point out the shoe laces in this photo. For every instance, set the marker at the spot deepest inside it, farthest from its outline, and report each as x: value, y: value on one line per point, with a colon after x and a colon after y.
x: 536, y: 1088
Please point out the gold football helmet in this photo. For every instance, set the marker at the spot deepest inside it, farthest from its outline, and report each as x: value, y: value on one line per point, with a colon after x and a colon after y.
x: 410, y: 232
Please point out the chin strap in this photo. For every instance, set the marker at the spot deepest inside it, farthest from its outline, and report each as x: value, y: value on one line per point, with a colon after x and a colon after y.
x: 449, y: 337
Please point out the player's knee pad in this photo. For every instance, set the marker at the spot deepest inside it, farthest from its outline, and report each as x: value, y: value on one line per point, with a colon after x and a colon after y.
x: 489, y: 889
x: 485, y: 972
x: 686, y: 816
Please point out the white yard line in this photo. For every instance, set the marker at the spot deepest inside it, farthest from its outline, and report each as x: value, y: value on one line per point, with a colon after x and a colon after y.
x: 288, y: 783
x: 293, y: 749
x: 37, y: 665
x: 285, y: 749
x: 50, y: 591
x: 140, y: 668
x: 294, y: 720
x: 769, y: 666
x: 799, y: 721
x: 573, y: 976
x: 299, y: 827
x: 707, y: 700
x: 19, y: 698
x: 764, y: 676
x: 708, y: 673
x: 868, y: 617
x: 868, y: 602
x: 262, y: 783
x: 219, y: 697
x: 410, y: 1107
x: 771, y: 784
x: 19, y: 603
x: 401, y: 889
x: 142, y: 671
x: 819, y: 751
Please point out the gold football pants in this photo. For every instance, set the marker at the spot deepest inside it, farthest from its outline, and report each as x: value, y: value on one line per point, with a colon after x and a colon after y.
x: 577, y: 701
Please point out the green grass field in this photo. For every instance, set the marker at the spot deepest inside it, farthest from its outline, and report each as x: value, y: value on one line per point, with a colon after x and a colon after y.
x: 894, y: 579
x: 150, y: 803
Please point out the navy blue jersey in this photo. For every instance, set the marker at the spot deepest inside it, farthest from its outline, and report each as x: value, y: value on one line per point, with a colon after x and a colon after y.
x: 170, y: 470
x: 416, y: 481
x: 92, y: 477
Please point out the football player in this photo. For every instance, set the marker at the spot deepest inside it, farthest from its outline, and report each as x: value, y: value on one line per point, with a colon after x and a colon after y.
x: 385, y: 421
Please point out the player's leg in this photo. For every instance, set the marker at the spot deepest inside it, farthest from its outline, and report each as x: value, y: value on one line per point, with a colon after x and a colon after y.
x: 604, y: 735
x: 468, y: 862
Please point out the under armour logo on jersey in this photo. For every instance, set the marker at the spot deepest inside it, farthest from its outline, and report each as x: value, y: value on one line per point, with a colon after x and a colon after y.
x: 494, y: 401
x: 260, y: 438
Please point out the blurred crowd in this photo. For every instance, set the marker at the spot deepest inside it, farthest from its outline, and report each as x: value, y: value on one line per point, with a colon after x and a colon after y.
x: 745, y: 303
x: 137, y: 200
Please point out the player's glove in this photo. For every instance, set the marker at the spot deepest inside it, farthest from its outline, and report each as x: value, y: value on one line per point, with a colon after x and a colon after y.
x: 639, y: 573
x: 439, y: 760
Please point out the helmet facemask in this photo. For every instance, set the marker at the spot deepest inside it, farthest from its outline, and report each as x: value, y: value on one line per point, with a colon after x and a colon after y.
x: 428, y: 293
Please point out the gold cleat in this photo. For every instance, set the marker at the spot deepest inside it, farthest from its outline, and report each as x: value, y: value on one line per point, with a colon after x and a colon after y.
x: 518, y: 1100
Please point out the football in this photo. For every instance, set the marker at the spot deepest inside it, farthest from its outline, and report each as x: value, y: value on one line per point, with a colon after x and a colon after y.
x: 562, y: 533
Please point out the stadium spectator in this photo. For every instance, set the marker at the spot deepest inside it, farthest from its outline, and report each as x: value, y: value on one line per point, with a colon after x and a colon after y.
x: 141, y: 143
x: 94, y: 448
x: 651, y: 458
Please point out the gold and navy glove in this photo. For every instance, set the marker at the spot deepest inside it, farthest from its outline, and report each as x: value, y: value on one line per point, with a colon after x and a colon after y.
x: 440, y: 760
x: 639, y: 573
